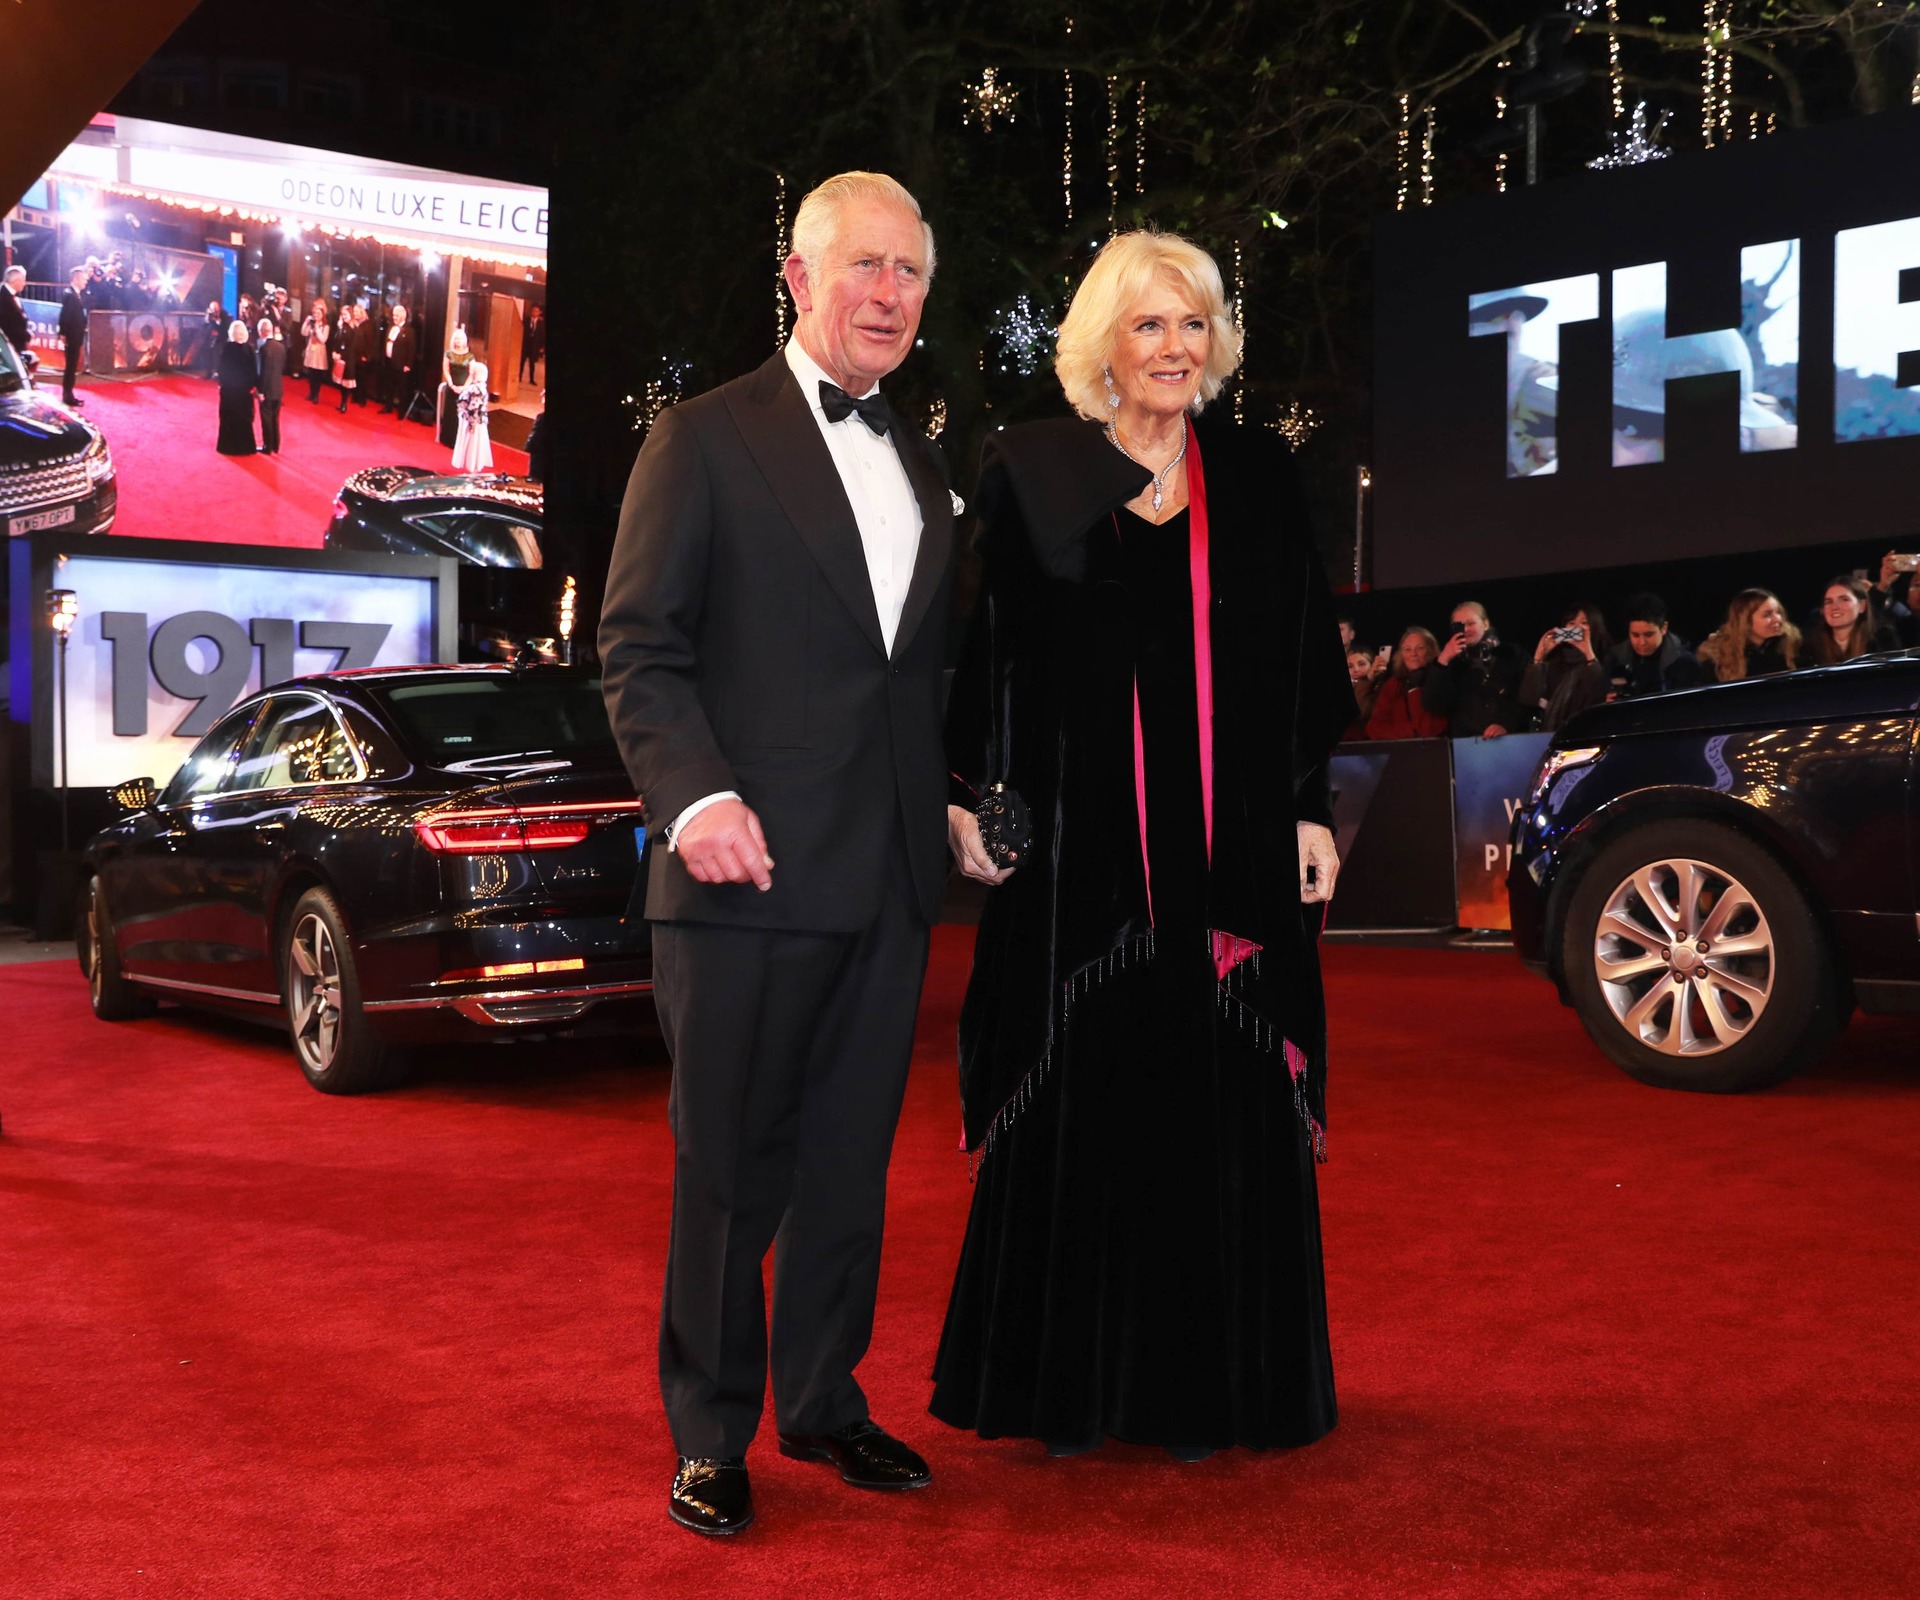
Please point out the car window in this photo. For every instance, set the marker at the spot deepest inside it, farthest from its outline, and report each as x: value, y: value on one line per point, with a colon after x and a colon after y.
x: 213, y: 758
x: 464, y: 719
x: 484, y: 538
x: 299, y: 741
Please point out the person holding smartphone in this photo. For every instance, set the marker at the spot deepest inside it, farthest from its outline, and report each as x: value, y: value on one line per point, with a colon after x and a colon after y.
x: 1892, y: 595
x: 1479, y: 690
x: 1566, y: 675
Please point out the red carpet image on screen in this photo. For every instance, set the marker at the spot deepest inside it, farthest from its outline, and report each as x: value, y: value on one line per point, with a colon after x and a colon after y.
x: 173, y: 485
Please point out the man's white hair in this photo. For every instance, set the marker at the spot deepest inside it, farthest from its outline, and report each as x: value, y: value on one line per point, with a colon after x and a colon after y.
x: 817, y: 223
x: 15, y: 274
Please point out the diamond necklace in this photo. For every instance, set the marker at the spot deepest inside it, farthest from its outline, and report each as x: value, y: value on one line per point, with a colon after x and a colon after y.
x: 1160, y: 477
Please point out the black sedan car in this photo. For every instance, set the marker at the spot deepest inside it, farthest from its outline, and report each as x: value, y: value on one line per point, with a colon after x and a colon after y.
x: 377, y: 858
x: 487, y: 519
x: 1715, y: 878
x: 55, y: 468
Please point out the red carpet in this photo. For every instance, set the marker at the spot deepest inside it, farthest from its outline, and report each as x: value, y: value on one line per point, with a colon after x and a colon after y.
x: 1592, y: 1340
x: 175, y: 485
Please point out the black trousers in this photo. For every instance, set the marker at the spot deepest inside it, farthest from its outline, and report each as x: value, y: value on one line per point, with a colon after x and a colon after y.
x: 790, y: 1055
x: 270, y: 426
x: 74, y: 349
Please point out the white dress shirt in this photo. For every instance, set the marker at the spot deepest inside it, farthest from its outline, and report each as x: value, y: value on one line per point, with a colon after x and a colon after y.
x: 885, y: 510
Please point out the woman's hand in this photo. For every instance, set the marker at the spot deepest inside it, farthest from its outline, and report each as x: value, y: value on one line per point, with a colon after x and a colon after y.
x: 1456, y: 642
x: 969, y: 852
x: 1382, y: 662
x: 1318, y: 854
x: 1546, y: 644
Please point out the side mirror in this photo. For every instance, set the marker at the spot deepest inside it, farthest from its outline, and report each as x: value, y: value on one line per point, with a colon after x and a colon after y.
x: 136, y: 794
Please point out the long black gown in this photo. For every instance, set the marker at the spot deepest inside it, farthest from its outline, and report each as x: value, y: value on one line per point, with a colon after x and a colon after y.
x: 239, y: 374
x: 1142, y: 1259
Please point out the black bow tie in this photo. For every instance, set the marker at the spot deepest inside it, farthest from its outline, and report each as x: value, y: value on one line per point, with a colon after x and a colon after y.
x: 839, y: 405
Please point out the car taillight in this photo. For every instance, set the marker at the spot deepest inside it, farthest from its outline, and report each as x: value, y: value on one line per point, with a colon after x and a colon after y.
x: 507, y: 828
x: 339, y: 510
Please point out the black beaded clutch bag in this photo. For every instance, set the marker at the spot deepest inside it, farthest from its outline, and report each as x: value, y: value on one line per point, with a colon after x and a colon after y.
x: 1006, y: 826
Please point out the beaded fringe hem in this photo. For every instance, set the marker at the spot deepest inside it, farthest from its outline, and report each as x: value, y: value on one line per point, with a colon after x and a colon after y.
x: 1228, y: 1000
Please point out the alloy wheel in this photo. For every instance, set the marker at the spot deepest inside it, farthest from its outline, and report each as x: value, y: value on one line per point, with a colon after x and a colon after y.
x: 95, y: 974
x: 313, y: 993
x: 1684, y: 957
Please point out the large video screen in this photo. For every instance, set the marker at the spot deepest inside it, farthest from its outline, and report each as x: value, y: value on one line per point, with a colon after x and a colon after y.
x: 1705, y: 354
x: 255, y: 343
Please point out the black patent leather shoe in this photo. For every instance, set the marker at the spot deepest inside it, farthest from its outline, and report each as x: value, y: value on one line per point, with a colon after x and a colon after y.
x: 867, y: 1455
x: 711, y: 1497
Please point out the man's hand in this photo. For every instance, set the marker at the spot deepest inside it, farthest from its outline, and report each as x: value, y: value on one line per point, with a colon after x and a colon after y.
x: 1317, y: 852
x: 724, y: 844
x: 1493, y: 730
x: 963, y: 839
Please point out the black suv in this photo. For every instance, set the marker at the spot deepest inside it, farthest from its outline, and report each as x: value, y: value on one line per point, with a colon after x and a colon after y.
x: 1715, y: 878
x: 55, y: 468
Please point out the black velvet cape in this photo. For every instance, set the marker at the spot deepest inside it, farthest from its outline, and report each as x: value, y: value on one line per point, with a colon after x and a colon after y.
x: 1043, y: 701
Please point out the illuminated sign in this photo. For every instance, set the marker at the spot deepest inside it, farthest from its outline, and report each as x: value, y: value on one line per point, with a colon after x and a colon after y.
x: 1710, y: 355
x: 169, y: 637
x: 460, y: 214
x: 1874, y: 329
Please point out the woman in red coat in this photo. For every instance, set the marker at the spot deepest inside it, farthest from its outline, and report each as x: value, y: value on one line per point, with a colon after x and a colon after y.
x: 1398, y: 711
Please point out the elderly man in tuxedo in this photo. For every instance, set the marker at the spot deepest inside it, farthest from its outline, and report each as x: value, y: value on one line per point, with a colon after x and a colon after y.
x: 773, y: 643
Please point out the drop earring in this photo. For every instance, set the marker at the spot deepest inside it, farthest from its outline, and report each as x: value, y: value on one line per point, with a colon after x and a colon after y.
x: 1113, y: 397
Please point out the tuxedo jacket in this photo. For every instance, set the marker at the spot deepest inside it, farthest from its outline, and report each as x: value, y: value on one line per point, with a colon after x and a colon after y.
x: 742, y: 650
x: 13, y: 320
x: 73, y: 314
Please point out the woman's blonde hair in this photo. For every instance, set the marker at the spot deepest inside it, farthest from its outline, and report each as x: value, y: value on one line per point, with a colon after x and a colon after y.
x: 1400, y: 668
x: 1125, y: 269
x: 1725, y: 649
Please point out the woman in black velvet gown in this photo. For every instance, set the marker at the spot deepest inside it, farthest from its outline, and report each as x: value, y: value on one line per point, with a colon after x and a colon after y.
x: 239, y: 374
x: 1156, y: 669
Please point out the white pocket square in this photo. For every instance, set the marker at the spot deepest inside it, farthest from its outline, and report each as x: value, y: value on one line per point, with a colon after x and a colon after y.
x: 959, y: 505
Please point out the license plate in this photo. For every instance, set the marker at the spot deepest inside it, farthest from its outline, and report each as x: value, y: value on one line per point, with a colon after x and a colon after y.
x: 37, y: 520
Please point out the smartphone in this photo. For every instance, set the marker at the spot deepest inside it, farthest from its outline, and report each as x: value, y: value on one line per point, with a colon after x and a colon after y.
x: 1906, y: 563
x: 1461, y: 627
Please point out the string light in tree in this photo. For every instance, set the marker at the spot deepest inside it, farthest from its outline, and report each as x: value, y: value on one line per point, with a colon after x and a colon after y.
x: 1113, y: 153
x: 1140, y: 133
x: 659, y: 392
x: 1615, y: 77
x: 1426, y: 159
x: 1500, y: 115
x: 1716, y: 73
x: 781, y: 250
x: 988, y: 101
x: 1402, y: 148
x: 1026, y: 336
x: 1296, y: 423
x: 1634, y: 144
x: 1066, y: 151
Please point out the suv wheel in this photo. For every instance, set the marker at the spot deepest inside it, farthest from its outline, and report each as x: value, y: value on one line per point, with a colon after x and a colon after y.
x: 1695, y: 962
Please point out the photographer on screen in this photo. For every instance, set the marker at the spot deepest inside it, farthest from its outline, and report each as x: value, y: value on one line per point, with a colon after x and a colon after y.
x: 1566, y: 675
x: 1652, y: 659
x: 1477, y: 686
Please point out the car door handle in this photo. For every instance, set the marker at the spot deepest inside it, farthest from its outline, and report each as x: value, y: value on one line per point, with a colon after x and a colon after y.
x: 273, y: 823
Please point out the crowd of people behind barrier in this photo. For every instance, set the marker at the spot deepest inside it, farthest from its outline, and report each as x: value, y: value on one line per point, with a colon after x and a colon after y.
x: 1476, y: 685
